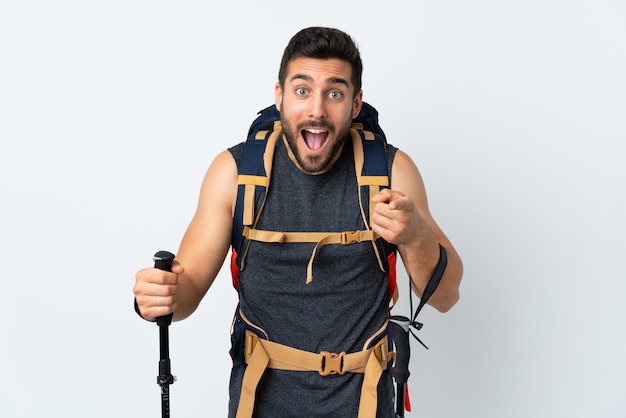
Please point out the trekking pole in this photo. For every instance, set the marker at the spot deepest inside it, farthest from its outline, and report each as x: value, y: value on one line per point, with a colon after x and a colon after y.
x: 400, y: 333
x: 163, y: 261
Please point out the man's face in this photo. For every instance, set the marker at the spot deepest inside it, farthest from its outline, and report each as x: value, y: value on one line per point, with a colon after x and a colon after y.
x: 317, y: 107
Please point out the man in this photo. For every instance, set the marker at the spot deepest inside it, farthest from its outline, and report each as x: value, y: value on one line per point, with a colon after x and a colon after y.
x: 344, y: 304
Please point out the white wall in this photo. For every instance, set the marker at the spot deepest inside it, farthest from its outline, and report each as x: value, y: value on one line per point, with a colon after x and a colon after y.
x: 515, y: 112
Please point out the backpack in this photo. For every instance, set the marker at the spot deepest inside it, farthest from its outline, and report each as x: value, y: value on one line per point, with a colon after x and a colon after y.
x: 373, y: 174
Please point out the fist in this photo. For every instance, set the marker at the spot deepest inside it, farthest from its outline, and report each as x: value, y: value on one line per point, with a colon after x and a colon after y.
x: 395, y: 217
x: 156, y: 291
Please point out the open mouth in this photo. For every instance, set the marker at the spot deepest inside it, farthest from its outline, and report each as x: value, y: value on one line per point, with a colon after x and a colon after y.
x: 314, y: 138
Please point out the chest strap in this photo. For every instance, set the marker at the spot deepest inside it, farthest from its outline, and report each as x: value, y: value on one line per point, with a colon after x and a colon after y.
x: 262, y: 354
x: 320, y: 238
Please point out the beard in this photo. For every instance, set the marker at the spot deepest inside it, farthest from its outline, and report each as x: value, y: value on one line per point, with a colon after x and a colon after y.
x: 315, y: 164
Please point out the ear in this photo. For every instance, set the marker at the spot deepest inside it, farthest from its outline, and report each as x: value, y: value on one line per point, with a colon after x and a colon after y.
x: 358, y: 103
x: 278, y: 95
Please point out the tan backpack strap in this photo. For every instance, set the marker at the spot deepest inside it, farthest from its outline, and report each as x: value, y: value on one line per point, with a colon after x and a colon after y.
x: 261, y: 354
x: 369, y: 391
x: 283, y: 357
x: 320, y: 238
x: 251, y: 182
x: 374, y: 183
x: 344, y: 238
x: 257, y: 364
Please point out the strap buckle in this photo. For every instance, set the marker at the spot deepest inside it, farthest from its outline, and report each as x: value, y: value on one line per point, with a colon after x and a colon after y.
x: 382, y: 353
x: 332, y: 363
x: 350, y: 237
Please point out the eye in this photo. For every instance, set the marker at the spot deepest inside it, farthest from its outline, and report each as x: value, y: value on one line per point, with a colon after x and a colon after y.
x: 301, y: 91
x: 335, y: 94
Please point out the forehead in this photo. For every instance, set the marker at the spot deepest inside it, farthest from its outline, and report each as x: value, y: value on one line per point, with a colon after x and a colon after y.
x: 319, y: 70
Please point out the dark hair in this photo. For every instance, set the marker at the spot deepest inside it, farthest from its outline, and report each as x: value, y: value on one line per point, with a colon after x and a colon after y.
x: 322, y: 43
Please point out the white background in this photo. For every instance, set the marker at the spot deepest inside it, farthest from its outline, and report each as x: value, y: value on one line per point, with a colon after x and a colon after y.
x: 515, y: 112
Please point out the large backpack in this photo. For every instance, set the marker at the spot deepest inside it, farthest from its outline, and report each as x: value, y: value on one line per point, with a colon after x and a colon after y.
x: 372, y: 173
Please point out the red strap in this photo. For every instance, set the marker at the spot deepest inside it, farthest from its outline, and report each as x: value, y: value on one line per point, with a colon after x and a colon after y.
x: 234, y: 270
x: 391, y: 261
x: 407, y: 401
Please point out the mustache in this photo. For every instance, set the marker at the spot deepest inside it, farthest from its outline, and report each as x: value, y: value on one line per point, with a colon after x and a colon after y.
x: 315, y: 124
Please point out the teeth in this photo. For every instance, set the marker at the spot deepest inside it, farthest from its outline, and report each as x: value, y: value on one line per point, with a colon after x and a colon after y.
x: 316, y: 131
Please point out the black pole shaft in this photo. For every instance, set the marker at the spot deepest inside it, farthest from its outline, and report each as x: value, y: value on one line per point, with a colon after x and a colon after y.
x: 164, y: 342
x: 163, y: 260
x: 165, y: 375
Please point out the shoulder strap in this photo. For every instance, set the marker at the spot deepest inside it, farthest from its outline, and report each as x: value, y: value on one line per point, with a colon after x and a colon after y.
x: 255, y: 169
x: 252, y: 169
x: 373, y: 174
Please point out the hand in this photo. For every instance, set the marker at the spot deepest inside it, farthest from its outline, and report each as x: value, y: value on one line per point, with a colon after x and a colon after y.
x: 156, y: 291
x: 395, y: 217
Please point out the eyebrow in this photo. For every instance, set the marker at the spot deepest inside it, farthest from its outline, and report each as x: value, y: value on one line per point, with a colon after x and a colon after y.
x: 331, y: 80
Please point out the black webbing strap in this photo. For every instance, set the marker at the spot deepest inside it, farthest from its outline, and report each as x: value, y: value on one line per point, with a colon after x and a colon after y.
x: 431, y: 286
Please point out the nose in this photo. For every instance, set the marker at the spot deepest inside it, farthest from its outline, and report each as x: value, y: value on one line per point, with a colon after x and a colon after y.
x: 317, y: 109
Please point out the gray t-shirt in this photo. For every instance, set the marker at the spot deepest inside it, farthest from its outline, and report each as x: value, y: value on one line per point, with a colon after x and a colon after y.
x: 344, y: 305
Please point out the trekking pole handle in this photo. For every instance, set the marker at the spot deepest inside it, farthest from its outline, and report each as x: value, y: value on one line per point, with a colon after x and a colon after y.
x: 163, y: 261
x: 400, y: 332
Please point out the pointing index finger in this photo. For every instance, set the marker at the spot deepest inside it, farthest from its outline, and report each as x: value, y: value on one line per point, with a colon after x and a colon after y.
x: 383, y: 196
x: 394, y: 199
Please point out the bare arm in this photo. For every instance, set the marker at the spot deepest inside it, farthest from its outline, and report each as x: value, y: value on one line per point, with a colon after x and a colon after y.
x: 402, y: 217
x: 202, y: 250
